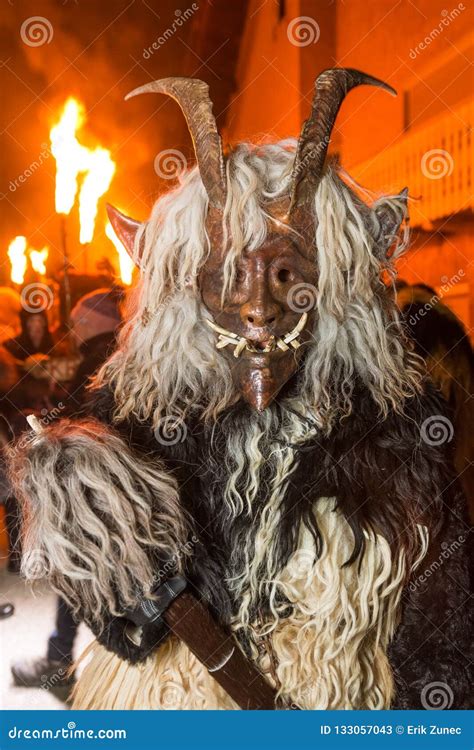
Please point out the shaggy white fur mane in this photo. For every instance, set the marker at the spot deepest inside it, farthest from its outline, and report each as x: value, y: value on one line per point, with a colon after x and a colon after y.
x: 166, y: 362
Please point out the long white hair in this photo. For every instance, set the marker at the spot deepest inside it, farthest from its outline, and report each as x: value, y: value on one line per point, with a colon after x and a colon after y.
x: 166, y: 362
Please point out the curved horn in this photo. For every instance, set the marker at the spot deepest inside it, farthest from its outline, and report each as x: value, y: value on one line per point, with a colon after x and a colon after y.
x: 192, y: 95
x: 126, y: 229
x: 331, y: 87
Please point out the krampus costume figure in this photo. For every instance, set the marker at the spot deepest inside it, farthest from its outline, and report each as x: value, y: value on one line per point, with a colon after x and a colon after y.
x: 264, y: 430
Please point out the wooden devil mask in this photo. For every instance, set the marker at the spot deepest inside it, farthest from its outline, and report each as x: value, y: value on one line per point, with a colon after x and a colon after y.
x: 258, y: 324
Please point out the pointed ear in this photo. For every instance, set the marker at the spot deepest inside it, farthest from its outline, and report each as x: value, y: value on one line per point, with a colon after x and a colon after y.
x: 126, y: 230
x: 389, y: 220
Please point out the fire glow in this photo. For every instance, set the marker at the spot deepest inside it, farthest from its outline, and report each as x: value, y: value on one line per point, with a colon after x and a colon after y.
x: 38, y: 260
x: 18, y: 260
x: 74, y: 159
x: 125, y: 262
x: 19, y: 252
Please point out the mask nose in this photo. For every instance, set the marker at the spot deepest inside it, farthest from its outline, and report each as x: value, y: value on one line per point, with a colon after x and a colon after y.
x: 260, y: 314
x: 261, y: 309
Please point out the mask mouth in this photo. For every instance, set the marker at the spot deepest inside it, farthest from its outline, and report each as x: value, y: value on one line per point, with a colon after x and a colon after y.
x: 283, y: 343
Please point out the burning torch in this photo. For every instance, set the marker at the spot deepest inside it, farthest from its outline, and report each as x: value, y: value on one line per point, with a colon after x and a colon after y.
x: 74, y: 159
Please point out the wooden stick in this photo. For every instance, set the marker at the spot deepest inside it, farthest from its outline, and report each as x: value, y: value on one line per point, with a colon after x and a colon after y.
x: 66, y: 280
x: 192, y: 622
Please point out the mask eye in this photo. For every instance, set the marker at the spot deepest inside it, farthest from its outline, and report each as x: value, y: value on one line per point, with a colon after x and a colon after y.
x: 283, y: 275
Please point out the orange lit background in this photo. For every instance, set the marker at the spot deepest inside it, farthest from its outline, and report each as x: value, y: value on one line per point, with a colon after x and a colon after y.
x: 421, y: 139
x: 260, y: 59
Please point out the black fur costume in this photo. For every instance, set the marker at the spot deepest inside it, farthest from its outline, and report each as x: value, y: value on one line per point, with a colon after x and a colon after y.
x: 379, y: 471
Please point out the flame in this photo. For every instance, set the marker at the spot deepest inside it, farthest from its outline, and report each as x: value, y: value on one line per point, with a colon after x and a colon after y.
x: 126, y: 264
x: 68, y: 153
x: 99, y: 175
x: 38, y: 260
x: 73, y: 159
x: 17, y: 255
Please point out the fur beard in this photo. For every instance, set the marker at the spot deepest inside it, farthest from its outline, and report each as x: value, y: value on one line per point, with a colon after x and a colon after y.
x: 317, y: 626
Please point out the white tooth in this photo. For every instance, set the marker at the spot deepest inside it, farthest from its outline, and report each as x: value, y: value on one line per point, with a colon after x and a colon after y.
x: 228, y: 337
x: 302, y: 322
x: 220, y: 330
x: 297, y: 329
x: 240, y: 347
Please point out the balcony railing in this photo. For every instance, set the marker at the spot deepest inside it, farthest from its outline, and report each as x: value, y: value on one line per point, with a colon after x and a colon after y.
x: 435, y: 161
